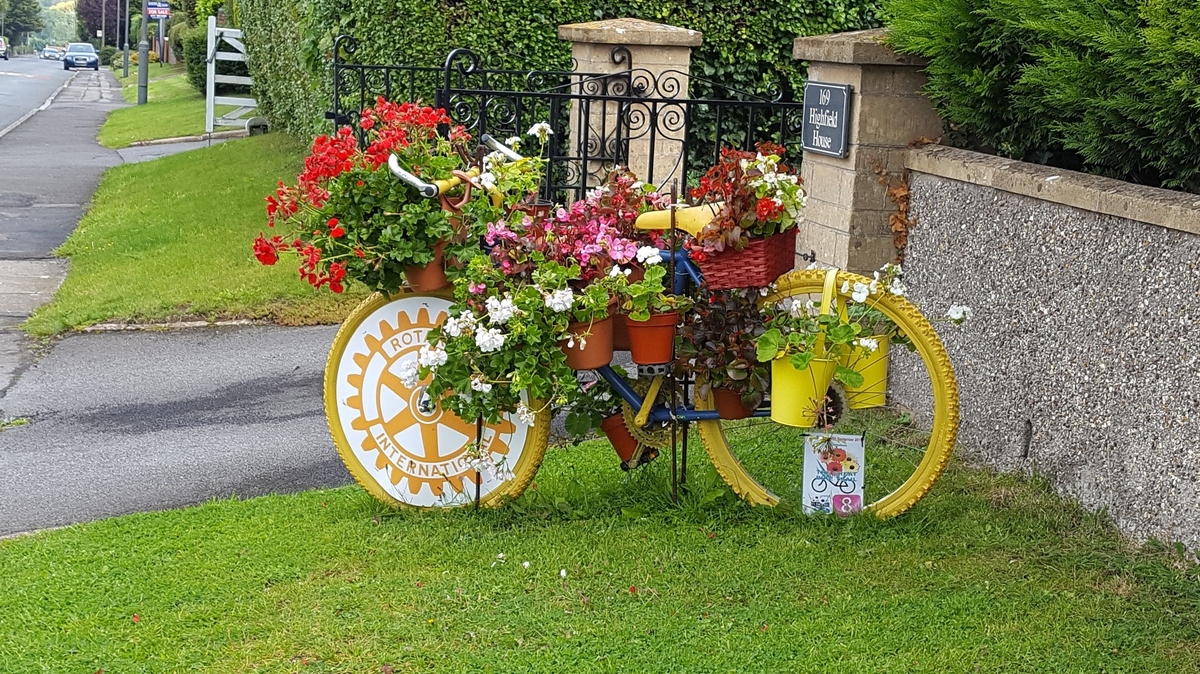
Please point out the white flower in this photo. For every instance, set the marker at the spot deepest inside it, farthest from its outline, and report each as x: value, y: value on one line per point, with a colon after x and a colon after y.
x: 897, y: 288
x: 525, y: 564
x: 487, y: 181
x: 560, y: 300
x: 514, y: 142
x: 500, y: 311
x: 845, y: 287
x: 431, y: 358
x: 649, y: 255
x: 637, y: 186
x: 959, y: 313
x: 489, y: 339
x: 457, y: 326
x: 874, y: 285
x: 615, y: 271
x: 408, y: 372
x: 860, y: 292
x: 867, y: 343
x: 525, y: 414
x: 500, y: 556
x: 562, y: 573
x: 478, y: 384
x: 493, y: 160
x: 542, y: 130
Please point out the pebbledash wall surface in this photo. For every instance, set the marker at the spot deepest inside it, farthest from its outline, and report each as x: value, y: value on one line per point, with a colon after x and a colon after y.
x: 1082, y: 362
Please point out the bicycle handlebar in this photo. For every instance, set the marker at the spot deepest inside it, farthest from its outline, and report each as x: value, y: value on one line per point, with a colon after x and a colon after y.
x: 438, y: 187
x: 428, y: 191
x: 497, y: 146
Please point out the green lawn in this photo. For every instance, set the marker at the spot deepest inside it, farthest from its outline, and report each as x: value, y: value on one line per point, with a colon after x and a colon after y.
x: 172, y: 238
x: 988, y: 574
x: 173, y: 108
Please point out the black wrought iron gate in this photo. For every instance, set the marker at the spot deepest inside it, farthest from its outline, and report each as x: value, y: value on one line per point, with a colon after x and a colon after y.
x: 668, y: 126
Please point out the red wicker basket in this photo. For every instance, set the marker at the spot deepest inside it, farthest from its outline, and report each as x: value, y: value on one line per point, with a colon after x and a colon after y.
x: 755, y: 266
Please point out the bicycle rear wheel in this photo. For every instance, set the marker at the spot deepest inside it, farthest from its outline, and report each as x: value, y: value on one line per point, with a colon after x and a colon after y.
x: 906, y: 450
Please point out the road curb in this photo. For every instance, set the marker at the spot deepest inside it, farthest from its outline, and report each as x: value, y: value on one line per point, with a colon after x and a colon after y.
x: 236, y: 133
x: 177, y: 325
x: 38, y: 109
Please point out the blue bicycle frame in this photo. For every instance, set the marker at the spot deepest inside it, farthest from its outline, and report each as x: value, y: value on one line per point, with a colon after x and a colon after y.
x: 685, y: 271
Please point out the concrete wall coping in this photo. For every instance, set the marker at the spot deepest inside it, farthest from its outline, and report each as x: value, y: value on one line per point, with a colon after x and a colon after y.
x: 1151, y: 205
x: 631, y: 32
x: 860, y: 47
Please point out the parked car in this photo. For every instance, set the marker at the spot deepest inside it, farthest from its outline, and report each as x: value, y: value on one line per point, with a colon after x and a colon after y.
x: 3, y: 48
x: 81, y: 55
x: 51, y: 53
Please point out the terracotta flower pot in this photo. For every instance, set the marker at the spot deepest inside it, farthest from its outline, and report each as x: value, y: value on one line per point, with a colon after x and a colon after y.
x: 620, y: 334
x: 429, y: 277
x: 595, y: 349
x: 652, y: 341
x: 538, y: 211
x: 618, y: 435
x: 729, y: 404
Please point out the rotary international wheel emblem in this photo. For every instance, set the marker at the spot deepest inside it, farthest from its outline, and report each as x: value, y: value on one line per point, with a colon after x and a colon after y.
x: 404, y: 441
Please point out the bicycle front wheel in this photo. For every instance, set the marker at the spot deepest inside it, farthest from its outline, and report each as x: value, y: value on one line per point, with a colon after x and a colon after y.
x: 905, y: 450
x: 396, y: 441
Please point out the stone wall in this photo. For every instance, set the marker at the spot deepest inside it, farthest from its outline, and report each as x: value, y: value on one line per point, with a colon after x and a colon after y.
x: 1082, y: 363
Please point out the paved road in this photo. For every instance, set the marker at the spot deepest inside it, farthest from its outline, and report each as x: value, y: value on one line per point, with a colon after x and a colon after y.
x: 127, y: 422
x: 130, y: 422
x: 25, y: 83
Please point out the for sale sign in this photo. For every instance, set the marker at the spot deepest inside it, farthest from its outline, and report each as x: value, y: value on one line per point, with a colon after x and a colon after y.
x: 156, y: 9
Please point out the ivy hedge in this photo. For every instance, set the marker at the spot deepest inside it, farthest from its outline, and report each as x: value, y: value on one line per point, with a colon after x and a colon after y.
x: 1106, y: 86
x: 747, y: 43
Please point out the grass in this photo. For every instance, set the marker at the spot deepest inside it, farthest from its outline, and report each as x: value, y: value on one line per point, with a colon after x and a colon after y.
x: 172, y: 238
x: 988, y: 574
x: 173, y: 108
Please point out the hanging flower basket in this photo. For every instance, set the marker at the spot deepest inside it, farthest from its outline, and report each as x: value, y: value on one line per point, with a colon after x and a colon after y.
x: 729, y: 404
x: 429, y: 277
x: 873, y: 366
x: 797, y: 396
x: 614, y: 428
x: 590, y: 345
x: 651, y: 340
x: 755, y: 266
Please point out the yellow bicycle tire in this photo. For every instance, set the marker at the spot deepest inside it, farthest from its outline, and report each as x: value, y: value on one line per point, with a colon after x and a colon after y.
x: 532, y: 454
x: 944, y: 432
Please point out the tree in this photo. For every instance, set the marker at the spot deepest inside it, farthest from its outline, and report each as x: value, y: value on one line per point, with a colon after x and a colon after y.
x: 22, y: 17
x: 89, y: 12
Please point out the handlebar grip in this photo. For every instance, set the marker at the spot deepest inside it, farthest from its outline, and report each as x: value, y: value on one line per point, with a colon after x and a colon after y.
x: 497, y: 146
x: 428, y: 191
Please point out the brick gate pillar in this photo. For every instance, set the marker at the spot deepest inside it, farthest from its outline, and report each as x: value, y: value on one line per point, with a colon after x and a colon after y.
x: 657, y: 58
x: 846, y: 220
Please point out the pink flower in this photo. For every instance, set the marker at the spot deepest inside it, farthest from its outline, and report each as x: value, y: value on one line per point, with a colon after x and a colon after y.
x: 476, y: 288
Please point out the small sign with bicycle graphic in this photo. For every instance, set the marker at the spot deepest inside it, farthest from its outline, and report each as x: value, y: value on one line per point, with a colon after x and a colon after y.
x: 833, y: 473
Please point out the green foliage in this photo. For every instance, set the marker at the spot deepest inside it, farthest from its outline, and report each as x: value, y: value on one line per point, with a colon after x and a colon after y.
x: 167, y: 238
x: 746, y: 44
x: 195, y: 55
x: 1106, y: 86
x: 23, y: 16
x: 106, y: 54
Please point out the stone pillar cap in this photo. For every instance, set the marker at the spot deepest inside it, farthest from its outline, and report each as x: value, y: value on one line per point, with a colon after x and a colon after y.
x: 631, y: 32
x: 860, y: 47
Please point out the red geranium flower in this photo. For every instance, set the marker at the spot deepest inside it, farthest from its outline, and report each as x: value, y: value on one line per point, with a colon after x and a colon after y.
x: 264, y: 251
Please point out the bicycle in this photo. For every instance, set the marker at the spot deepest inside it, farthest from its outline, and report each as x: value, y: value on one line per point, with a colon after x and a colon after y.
x: 405, y: 450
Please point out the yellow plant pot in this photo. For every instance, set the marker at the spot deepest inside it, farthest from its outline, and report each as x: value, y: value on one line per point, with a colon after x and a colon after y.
x: 874, y: 369
x: 797, y: 396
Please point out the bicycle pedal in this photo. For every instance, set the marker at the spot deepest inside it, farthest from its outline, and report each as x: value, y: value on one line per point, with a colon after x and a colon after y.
x: 643, y: 456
